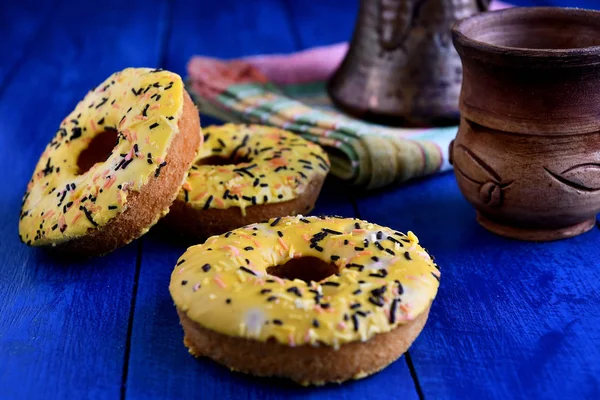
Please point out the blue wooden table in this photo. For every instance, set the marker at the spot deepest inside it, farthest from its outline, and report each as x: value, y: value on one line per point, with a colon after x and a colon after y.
x: 511, y: 320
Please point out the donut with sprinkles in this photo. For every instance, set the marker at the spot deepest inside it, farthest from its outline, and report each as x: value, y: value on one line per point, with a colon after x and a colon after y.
x: 246, y: 174
x: 313, y: 299
x: 115, y: 165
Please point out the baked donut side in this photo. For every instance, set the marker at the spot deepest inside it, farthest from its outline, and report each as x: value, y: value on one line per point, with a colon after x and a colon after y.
x: 329, y: 285
x: 152, y: 202
x: 306, y: 365
x: 246, y: 174
x: 201, y: 224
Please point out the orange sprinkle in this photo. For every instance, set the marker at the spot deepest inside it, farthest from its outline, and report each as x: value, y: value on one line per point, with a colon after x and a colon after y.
x: 219, y: 202
x: 187, y: 186
x: 92, y: 125
x: 282, y: 243
x: 358, y: 231
x: 141, y: 117
x: 154, y: 107
x: 233, y: 249
x: 278, y: 162
x: 115, y: 105
x: 219, y: 282
x: 341, y: 326
x: 404, y: 308
x: 365, y: 253
x: 291, y: 339
x: 76, y: 217
x: 199, y: 196
x: 110, y: 182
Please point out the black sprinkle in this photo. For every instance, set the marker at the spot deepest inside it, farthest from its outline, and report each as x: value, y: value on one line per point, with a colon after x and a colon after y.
x: 399, y: 286
x: 88, y: 215
x: 392, y: 239
x: 355, y: 322
x: 154, y: 125
x: 435, y: 276
x: 358, y: 266
x: 277, y: 322
x: 276, y: 221
x: 376, y: 301
x: 375, y: 258
x: 180, y: 262
x: 248, y: 270
x: 379, y: 235
x: 294, y: 290
x: 355, y: 306
x: 208, y: 201
x: 206, y: 267
x: 228, y: 301
x: 379, y: 291
x: 315, y: 323
x: 362, y: 313
x: 279, y: 233
x: 304, y: 220
x: 335, y: 258
x: 393, y: 308
x: 104, y: 100
x: 325, y: 305
x: 359, y: 248
x: 389, y: 251
x: 265, y: 291
x: 332, y: 232
x: 378, y: 245
x: 157, y: 173
x: 330, y: 284
x: 184, y: 283
x: 356, y: 225
x: 271, y: 298
x: 228, y: 234
x: 407, y: 255
x: 248, y: 248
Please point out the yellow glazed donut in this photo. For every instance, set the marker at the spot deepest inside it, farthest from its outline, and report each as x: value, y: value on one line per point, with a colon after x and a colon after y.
x: 246, y: 174
x: 314, y: 299
x: 114, y: 166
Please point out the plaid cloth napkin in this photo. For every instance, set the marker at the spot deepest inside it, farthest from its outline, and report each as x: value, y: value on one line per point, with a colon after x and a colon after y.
x: 288, y: 91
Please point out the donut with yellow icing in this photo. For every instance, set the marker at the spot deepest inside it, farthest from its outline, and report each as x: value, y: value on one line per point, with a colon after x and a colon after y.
x: 314, y: 299
x: 246, y: 174
x: 115, y: 165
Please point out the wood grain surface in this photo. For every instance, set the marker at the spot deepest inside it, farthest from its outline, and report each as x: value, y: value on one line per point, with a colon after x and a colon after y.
x: 512, y: 319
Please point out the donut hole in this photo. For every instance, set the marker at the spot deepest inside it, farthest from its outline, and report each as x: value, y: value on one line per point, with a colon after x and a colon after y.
x: 220, y: 160
x: 306, y: 269
x: 98, y: 150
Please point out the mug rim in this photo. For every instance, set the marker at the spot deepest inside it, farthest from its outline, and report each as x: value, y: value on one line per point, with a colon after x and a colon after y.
x: 580, y: 55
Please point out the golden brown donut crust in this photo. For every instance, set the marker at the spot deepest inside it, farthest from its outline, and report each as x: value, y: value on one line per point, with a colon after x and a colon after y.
x: 202, y: 224
x: 304, y: 364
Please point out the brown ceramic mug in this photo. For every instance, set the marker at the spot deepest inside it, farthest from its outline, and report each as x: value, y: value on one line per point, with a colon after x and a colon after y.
x: 527, y: 154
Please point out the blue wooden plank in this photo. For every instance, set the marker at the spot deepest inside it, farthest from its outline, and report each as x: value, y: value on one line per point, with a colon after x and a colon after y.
x: 512, y: 319
x: 159, y: 365
x: 21, y: 24
x: 319, y: 23
x: 63, y: 327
